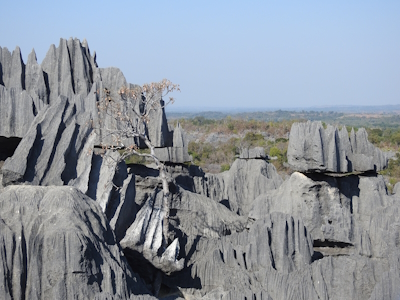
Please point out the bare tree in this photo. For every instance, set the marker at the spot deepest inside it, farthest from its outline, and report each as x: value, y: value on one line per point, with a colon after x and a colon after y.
x: 132, y: 115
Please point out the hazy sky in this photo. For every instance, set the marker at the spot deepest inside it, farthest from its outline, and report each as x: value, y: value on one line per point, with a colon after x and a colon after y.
x: 233, y: 54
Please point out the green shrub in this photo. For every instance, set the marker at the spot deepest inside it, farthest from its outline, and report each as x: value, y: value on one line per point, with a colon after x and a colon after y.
x: 253, y: 139
x: 274, y: 151
x: 225, y: 167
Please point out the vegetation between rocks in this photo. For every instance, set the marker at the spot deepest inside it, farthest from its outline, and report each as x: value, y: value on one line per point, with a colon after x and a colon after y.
x: 215, y: 143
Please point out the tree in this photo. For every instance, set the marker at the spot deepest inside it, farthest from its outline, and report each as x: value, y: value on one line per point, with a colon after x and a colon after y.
x: 131, y: 113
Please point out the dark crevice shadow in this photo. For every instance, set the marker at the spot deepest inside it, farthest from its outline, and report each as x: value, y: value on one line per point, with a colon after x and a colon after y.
x: 331, y: 244
x: 8, y: 146
x: 46, y: 83
x: 94, y: 176
x: 1, y: 74
x: 33, y: 155
x: 316, y: 256
x: 71, y: 158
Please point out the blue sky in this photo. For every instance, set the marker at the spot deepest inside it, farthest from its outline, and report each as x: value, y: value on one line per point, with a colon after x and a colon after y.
x: 231, y: 54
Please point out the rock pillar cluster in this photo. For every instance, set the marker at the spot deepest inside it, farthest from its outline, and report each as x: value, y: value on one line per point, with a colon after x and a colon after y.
x: 76, y: 222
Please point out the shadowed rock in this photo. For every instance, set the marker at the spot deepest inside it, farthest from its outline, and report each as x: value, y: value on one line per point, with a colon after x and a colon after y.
x: 178, y: 153
x: 114, y: 189
x: 145, y: 236
x: 244, y: 263
x: 56, y: 244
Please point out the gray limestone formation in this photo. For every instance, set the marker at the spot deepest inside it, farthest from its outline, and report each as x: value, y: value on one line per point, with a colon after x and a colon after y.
x: 54, y: 148
x: 353, y: 223
x: 56, y: 244
x: 396, y: 189
x: 68, y: 70
x: 252, y: 153
x: 315, y: 149
x: 336, y: 210
x: 114, y: 189
x: 145, y: 236
x: 178, y: 152
x: 17, y: 111
x: 68, y: 208
x: 249, y: 262
x: 240, y: 185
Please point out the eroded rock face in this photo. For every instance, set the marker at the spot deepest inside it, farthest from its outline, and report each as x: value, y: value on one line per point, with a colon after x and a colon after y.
x: 178, y: 152
x: 315, y: 149
x: 70, y: 71
x: 241, y: 233
x: 352, y: 221
x: 57, y: 244
x: 252, y: 153
x: 54, y: 149
x: 334, y: 209
x: 326, y: 212
x: 114, y: 189
x: 243, y: 263
x: 238, y: 187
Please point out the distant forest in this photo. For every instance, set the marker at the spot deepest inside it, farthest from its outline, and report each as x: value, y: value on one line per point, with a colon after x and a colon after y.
x: 382, y: 120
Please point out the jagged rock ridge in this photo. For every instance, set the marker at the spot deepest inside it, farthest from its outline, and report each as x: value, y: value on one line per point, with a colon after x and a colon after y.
x: 242, y: 233
x: 315, y: 149
x: 67, y: 70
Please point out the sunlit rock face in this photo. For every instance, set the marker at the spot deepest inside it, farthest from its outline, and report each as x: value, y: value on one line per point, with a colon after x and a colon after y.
x: 315, y: 149
x: 70, y: 71
x: 75, y: 223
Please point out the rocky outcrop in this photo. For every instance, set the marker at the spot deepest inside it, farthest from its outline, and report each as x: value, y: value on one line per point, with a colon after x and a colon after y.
x: 56, y: 243
x: 54, y: 150
x: 145, y: 236
x: 396, y: 189
x: 315, y: 149
x: 240, y: 185
x: 17, y: 111
x: 68, y: 70
x: 178, y: 152
x: 336, y: 210
x: 252, y: 153
x: 114, y: 189
x: 321, y: 234
x: 244, y: 263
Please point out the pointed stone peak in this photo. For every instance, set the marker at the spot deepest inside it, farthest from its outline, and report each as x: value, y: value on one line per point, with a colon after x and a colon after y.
x: 85, y: 43
x: 17, y: 50
x: 32, y: 59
